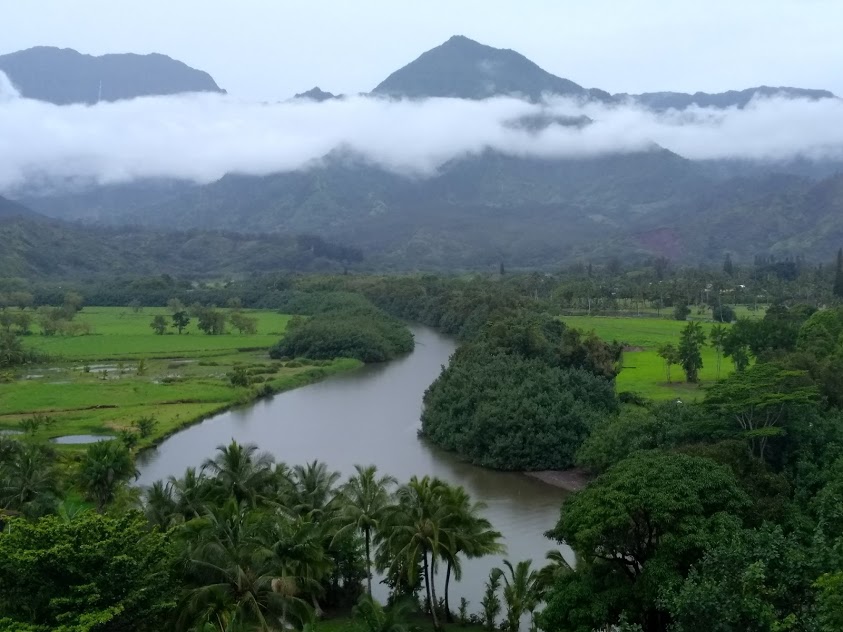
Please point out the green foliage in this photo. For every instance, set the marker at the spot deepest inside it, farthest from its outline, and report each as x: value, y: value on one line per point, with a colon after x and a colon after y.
x: 158, y: 324
x: 343, y: 326
x: 181, y: 320
x: 104, y: 468
x: 86, y: 574
x: 723, y: 314
x: 637, y: 528
x: 12, y: 352
x: 507, y: 412
x: 681, y: 311
x: 28, y: 478
x: 690, y: 343
x: 243, y: 324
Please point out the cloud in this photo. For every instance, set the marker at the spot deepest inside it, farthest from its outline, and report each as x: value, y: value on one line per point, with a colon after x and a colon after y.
x: 204, y: 136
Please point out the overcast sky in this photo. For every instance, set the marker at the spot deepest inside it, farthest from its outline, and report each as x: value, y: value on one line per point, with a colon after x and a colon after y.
x: 271, y: 49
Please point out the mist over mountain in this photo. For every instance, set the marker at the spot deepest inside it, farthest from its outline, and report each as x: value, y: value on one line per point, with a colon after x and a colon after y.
x: 468, y: 156
x: 64, y: 76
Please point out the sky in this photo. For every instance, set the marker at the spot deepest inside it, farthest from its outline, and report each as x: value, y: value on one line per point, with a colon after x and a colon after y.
x: 272, y: 49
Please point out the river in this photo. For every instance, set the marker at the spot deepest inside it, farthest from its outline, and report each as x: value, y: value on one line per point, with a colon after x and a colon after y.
x: 371, y: 416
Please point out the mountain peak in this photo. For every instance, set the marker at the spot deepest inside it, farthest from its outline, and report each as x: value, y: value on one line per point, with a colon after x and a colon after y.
x: 317, y: 94
x: 64, y: 75
x: 463, y: 68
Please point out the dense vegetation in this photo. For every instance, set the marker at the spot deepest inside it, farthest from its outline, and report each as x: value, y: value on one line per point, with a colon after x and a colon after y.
x: 523, y: 395
x: 341, y: 325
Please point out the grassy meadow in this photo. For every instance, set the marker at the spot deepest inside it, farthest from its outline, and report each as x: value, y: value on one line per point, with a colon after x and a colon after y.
x: 643, y: 370
x: 102, y: 382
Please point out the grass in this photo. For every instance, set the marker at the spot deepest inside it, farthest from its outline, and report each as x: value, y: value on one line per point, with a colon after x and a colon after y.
x: 643, y: 370
x: 93, y: 383
x: 122, y: 333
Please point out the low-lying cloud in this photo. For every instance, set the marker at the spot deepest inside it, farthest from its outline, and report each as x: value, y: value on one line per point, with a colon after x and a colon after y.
x: 201, y: 137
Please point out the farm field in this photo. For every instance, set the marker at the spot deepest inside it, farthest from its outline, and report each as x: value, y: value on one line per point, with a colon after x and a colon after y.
x: 643, y: 370
x: 103, y: 382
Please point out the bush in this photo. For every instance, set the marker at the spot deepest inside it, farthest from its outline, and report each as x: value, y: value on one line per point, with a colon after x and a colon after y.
x: 723, y: 314
x: 681, y: 312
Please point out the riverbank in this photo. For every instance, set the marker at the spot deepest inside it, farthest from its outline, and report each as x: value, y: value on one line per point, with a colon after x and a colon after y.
x: 572, y: 480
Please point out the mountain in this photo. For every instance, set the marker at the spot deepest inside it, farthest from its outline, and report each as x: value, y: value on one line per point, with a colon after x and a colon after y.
x: 662, y: 101
x: 63, y: 76
x: 38, y: 247
x: 316, y: 94
x: 465, y: 69
x: 10, y: 209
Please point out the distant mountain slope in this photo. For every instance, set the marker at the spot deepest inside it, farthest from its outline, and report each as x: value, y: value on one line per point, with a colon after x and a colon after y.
x: 661, y: 101
x: 38, y: 247
x: 63, y: 76
x: 317, y: 94
x: 10, y: 209
x: 465, y: 69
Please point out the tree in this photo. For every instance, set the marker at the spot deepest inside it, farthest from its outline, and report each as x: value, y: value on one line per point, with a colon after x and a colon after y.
x: 637, y: 528
x: 365, y: 501
x: 243, y: 324
x: 86, y: 574
x: 690, y: 341
x: 180, y: 320
x: 240, y: 472
x: 520, y: 592
x: 491, y: 602
x: 23, y: 321
x: 728, y: 266
x: 158, y: 324
x: 717, y: 336
x: 837, y: 288
x: 467, y: 533
x: 210, y: 321
x: 723, y: 314
x: 681, y: 311
x: 104, y: 468
x: 174, y: 306
x: 236, y: 580
x: 145, y: 425
x: 670, y: 355
x: 759, y: 399
x: 28, y: 480
x: 414, y: 534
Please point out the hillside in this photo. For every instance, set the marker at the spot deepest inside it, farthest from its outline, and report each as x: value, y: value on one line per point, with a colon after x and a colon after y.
x: 465, y: 69
x: 39, y: 247
x: 661, y: 101
x: 63, y: 76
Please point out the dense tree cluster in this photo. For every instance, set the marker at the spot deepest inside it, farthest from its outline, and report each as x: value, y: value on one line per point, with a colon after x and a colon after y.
x: 341, y: 325
x: 523, y: 395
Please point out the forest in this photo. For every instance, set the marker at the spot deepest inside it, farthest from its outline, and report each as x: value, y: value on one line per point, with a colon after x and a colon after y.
x: 728, y: 502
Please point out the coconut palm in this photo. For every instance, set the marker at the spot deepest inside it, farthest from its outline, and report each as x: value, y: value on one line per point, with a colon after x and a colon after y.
x: 314, y: 488
x: 520, y: 592
x: 414, y: 532
x: 28, y: 481
x: 364, y: 503
x: 237, y: 581
x: 191, y: 493
x: 240, y: 471
x: 469, y: 534
x: 105, y: 466
x: 556, y: 567
x: 159, y: 505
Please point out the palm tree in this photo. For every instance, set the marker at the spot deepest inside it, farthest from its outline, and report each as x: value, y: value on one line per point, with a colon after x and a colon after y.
x: 556, y: 567
x: 520, y: 592
x: 313, y: 488
x: 365, y: 499
x: 105, y: 466
x: 469, y: 534
x: 491, y: 603
x: 241, y: 471
x: 370, y: 616
x: 238, y: 582
x: 190, y: 493
x: 160, y: 505
x: 28, y: 482
x: 414, y: 532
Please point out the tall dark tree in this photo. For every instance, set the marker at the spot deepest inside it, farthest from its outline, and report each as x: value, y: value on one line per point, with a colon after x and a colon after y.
x: 838, y: 275
x: 690, y: 357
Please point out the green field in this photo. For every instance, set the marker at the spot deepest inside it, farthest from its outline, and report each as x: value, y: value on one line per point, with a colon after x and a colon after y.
x: 122, y: 333
x: 94, y: 384
x: 643, y: 370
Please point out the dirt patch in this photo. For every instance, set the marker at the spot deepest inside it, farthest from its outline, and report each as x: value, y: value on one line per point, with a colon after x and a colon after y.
x: 572, y: 480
